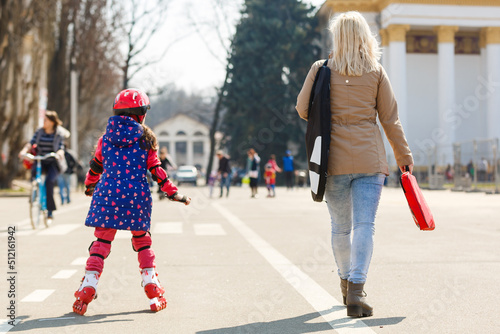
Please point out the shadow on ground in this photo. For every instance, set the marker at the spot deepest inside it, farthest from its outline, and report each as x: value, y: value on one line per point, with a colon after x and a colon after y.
x: 70, y: 319
x: 298, y: 325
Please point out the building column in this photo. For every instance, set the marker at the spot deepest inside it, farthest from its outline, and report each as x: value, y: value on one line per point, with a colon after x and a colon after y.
x: 172, y: 151
x: 491, y: 81
x: 482, y: 73
x: 189, y: 151
x: 384, y: 45
x: 397, y: 67
x: 446, y: 91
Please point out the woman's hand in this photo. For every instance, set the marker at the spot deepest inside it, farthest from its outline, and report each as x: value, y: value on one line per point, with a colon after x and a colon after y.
x: 403, y: 168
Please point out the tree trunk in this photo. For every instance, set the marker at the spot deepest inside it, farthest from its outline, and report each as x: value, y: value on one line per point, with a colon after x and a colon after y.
x: 215, y: 124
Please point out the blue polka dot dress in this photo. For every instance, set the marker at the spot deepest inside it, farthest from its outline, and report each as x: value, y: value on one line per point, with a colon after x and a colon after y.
x: 122, y: 199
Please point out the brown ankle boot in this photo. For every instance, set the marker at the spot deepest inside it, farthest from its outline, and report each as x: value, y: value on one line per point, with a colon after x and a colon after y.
x: 343, y: 288
x: 356, y: 301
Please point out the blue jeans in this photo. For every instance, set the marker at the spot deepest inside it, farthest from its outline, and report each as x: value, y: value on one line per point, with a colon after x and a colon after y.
x: 352, y: 200
x: 64, y: 181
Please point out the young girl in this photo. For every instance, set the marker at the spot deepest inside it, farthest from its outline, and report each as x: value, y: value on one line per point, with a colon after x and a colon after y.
x: 121, y: 199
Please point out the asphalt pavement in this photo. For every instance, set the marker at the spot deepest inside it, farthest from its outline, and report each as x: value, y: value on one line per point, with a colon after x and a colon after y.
x: 264, y: 265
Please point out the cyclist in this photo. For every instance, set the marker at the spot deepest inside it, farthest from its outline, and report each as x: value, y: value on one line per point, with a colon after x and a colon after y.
x: 48, y: 139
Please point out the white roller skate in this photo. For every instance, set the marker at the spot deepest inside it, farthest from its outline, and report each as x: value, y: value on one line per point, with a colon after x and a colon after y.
x: 87, y: 292
x: 153, y: 289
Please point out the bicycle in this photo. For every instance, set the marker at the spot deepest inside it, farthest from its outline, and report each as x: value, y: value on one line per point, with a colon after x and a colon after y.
x: 38, y: 195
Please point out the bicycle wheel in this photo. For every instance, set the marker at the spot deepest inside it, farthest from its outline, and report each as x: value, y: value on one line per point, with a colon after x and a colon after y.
x: 35, y: 206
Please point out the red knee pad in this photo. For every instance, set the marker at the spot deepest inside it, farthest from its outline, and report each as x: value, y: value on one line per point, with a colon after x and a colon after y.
x: 141, y: 243
x: 98, y: 250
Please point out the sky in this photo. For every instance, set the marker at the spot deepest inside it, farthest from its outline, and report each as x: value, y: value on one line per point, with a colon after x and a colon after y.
x: 197, y: 35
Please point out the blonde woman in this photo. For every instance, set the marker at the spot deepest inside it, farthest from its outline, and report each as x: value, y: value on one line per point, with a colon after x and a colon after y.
x: 357, y: 166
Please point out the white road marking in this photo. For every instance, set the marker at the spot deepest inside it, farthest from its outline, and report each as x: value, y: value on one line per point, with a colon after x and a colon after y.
x: 208, y: 229
x: 64, y: 274
x: 317, y: 297
x: 4, y: 325
x: 122, y: 234
x: 168, y: 228
x: 68, y: 208
x: 79, y: 261
x: 60, y: 229
x: 37, y: 296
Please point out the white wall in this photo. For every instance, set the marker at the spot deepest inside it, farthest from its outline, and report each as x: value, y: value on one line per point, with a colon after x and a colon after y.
x: 471, y: 112
x: 422, y: 97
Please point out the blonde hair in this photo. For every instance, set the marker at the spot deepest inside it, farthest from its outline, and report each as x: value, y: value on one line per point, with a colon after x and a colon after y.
x: 355, y: 48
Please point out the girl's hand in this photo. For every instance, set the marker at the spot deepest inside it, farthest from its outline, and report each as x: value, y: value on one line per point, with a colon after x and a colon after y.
x: 181, y: 198
x: 403, y: 169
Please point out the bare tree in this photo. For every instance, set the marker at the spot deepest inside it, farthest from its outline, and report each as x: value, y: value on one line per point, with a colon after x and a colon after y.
x: 139, y: 25
x: 220, y: 24
x: 87, y: 42
x: 25, y: 37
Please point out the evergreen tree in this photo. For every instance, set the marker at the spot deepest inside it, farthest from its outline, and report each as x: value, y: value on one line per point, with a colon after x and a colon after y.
x: 271, y: 53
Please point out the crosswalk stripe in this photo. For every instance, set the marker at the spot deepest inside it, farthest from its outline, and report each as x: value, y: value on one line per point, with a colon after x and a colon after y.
x: 208, y: 229
x: 325, y: 304
x: 60, y: 229
x: 168, y: 228
x: 38, y: 295
x: 64, y: 274
x: 79, y: 261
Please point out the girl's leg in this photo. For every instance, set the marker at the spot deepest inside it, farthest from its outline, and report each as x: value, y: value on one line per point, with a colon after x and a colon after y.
x: 141, y: 242
x: 100, y: 248
x: 339, y: 202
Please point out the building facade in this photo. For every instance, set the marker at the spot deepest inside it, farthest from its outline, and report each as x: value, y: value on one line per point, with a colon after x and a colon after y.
x: 443, y: 60
x: 186, y: 139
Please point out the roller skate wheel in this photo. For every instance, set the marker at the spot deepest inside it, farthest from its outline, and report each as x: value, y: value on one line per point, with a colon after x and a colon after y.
x: 79, y: 307
x: 157, y: 304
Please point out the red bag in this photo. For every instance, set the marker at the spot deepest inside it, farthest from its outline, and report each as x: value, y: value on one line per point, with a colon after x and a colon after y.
x: 28, y: 164
x: 419, y: 209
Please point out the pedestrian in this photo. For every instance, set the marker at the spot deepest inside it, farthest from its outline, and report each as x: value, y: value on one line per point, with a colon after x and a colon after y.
x: 64, y: 179
x: 168, y: 164
x: 448, y: 173
x: 121, y: 197
x: 357, y: 165
x: 289, y: 169
x: 224, y: 172
x: 211, y: 183
x: 253, y: 162
x: 482, y: 170
x: 270, y: 177
x: 48, y: 139
x: 274, y: 169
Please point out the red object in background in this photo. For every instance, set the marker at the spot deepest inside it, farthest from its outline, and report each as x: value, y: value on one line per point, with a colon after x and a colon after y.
x: 418, y: 206
x: 28, y: 164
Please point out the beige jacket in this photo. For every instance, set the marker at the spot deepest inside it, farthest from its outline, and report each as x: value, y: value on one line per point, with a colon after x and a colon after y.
x: 356, y: 143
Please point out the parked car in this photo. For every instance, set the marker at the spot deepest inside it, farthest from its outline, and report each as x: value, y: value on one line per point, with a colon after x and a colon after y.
x: 187, y: 174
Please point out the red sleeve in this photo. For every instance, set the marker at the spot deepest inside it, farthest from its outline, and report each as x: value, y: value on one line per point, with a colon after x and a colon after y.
x: 159, y: 174
x: 95, y: 170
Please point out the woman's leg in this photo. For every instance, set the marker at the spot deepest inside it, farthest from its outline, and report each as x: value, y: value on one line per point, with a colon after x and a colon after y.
x: 366, y: 191
x: 50, y: 181
x: 338, y: 199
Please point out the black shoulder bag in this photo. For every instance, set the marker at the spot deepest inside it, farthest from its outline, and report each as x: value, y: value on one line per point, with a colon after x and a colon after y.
x: 318, y: 132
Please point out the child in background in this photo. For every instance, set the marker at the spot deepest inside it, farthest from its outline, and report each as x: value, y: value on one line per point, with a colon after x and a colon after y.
x: 270, y: 176
x: 121, y: 198
x: 211, y: 182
